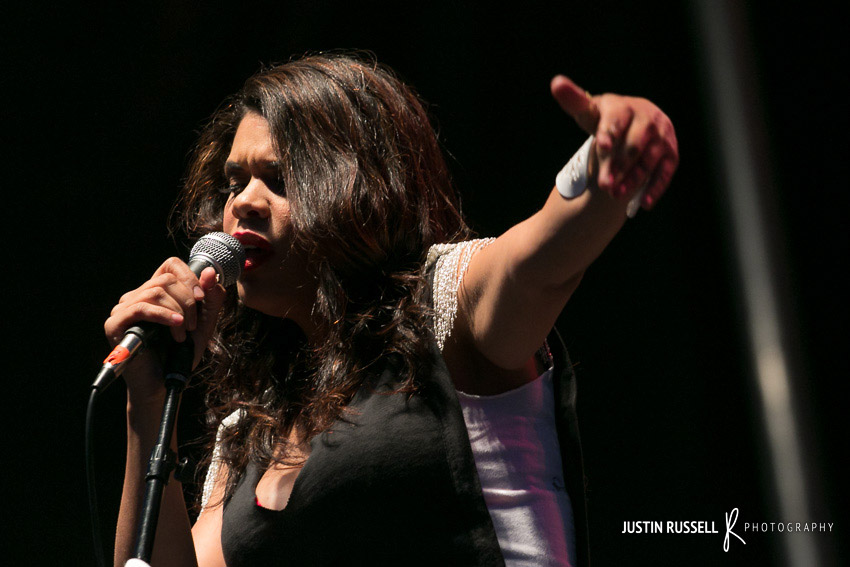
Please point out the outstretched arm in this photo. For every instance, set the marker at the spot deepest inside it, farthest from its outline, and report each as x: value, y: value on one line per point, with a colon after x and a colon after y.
x: 516, y: 287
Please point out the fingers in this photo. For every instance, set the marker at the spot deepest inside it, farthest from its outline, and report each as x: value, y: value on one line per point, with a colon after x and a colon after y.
x: 123, y: 319
x: 169, y: 298
x: 208, y: 279
x: 165, y: 292
x: 576, y: 102
x: 636, y: 148
x: 630, y: 168
x: 213, y: 300
x: 640, y: 159
x: 209, y: 310
x: 660, y: 179
x: 659, y: 161
x: 614, y: 125
x: 181, y: 271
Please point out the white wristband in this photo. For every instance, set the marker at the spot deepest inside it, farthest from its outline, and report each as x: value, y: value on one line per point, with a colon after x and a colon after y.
x: 571, y: 181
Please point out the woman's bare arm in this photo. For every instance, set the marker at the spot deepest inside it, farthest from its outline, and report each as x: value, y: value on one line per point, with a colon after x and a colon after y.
x: 173, y: 541
x: 515, y: 288
x: 207, y: 529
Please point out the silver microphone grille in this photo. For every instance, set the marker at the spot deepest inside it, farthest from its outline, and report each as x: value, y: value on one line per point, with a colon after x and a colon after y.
x: 224, y: 252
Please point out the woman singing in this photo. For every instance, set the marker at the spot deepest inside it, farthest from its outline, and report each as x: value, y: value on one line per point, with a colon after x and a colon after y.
x: 384, y: 390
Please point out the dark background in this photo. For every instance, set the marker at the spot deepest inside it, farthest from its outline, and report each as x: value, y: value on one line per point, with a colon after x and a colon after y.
x: 103, y: 106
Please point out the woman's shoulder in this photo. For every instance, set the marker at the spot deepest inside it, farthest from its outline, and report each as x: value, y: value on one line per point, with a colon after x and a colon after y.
x: 453, y: 251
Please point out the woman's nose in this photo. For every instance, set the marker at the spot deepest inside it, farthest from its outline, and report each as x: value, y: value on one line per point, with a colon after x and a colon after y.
x: 252, y: 201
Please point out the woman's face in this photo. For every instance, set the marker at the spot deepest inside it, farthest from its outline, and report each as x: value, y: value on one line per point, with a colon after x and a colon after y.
x: 274, y: 279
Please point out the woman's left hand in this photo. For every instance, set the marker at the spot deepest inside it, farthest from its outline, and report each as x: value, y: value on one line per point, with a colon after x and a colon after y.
x: 635, y: 145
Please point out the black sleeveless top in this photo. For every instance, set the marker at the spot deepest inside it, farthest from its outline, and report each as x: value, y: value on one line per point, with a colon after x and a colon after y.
x: 393, y: 483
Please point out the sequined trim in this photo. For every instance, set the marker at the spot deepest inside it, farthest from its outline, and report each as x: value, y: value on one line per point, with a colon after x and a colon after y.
x: 215, y: 462
x: 452, y: 261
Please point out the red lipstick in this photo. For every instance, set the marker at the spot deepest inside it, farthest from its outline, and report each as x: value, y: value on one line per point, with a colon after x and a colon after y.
x: 257, y: 249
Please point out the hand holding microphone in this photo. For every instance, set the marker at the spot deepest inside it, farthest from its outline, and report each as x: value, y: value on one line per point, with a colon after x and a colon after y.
x: 183, y: 298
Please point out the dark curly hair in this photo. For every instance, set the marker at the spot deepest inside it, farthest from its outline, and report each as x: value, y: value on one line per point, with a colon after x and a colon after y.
x: 369, y: 193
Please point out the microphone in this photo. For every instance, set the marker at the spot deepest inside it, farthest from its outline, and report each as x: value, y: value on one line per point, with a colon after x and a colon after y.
x: 218, y: 250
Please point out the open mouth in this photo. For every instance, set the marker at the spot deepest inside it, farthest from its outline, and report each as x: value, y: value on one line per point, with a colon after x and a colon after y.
x: 257, y: 249
x: 254, y: 257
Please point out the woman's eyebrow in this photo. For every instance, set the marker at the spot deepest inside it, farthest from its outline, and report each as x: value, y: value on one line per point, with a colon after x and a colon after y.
x: 231, y: 167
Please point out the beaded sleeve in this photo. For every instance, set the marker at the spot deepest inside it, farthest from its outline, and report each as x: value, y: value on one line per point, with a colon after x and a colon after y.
x: 450, y: 263
x: 215, y: 462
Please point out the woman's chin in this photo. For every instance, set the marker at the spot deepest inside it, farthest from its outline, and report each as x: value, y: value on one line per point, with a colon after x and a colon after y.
x: 249, y: 297
x: 262, y: 302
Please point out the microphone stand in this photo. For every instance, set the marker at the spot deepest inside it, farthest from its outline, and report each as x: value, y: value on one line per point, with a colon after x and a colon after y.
x: 163, y: 461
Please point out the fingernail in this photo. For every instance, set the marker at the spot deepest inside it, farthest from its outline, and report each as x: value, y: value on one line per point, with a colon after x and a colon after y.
x: 177, y: 318
x: 199, y: 293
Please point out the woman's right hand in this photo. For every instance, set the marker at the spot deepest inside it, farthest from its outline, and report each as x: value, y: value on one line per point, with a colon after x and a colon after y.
x: 636, y: 144
x: 175, y: 298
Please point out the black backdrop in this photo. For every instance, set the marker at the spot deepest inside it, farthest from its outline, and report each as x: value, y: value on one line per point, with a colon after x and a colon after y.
x: 103, y: 105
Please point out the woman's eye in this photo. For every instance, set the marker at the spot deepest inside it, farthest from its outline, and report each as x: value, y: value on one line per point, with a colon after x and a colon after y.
x: 277, y: 186
x: 231, y: 188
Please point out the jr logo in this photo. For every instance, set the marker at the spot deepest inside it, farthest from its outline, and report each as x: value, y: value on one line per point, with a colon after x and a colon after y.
x: 731, y: 518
